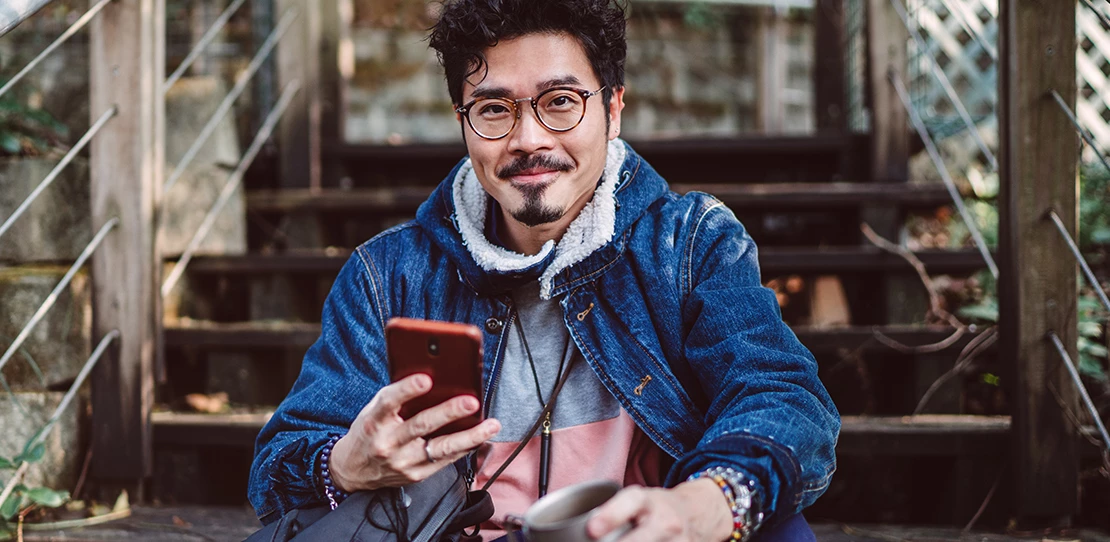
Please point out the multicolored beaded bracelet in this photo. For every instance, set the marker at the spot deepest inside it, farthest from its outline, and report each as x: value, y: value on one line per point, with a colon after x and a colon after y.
x: 335, y: 496
x: 738, y: 491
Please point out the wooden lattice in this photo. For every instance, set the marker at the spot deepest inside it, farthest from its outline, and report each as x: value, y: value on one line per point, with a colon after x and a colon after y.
x: 962, y: 36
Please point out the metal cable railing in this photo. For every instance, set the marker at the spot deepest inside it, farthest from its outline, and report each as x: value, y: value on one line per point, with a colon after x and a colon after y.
x: 66, y: 400
x: 225, y: 106
x: 50, y: 299
x: 1087, y: 137
x: 12, y: 14
x: 1090, y: 275
x: 945, y: 84
x: 202, y: 44
x: 1079, y: 384
x: 77, y: 25
x: 1098, y: 13
x: 54, y: 173
x: 233, y: 181
x: 934, y: 154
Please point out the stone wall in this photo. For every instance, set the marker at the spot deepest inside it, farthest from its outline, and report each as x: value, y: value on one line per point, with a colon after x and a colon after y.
x: 692, y: 70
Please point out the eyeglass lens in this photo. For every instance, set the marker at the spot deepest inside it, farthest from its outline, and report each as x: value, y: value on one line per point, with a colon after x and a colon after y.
x: 558, y: 109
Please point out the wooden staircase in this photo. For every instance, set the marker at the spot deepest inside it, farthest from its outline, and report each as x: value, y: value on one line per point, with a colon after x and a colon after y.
x: 803, y: 184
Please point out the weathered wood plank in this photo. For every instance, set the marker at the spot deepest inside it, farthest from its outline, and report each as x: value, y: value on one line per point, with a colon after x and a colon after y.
x: 405, y: 199
x: 773, y: 260
x: 886, y: 54
x: 265, y: 334
x: 126, y: 58
x: 1037, y: 287
x: 830, y: 90
x: 298, y: 130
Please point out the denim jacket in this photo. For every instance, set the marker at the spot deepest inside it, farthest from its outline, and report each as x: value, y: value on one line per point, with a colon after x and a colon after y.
x: 675, y: 296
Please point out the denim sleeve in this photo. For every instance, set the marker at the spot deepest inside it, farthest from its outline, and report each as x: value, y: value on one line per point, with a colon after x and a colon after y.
x: 341, y: 372
x: 769, y: 416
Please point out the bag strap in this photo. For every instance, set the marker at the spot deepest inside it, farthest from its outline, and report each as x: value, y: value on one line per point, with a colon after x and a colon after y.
x: 539, y: 420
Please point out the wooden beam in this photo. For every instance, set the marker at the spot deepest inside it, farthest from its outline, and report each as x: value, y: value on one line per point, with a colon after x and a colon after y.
x: 753, y: 196
x: 296, y: 335
x: 830, y: 90
x: 886, y: 54
x: 1037, y: 287
x: 772, y: 260
x: 127, y: 67
x: 299, y: 129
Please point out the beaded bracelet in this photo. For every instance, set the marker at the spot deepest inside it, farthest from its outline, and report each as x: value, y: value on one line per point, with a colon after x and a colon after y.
x: 739, y: 492
x: 335, y: 496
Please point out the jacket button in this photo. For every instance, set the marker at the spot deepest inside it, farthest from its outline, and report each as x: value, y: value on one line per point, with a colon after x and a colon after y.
x: 493, y: 325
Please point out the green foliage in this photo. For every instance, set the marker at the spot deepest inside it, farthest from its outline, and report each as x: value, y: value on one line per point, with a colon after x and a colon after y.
x: 1094, y: 206
x: 26, y: 130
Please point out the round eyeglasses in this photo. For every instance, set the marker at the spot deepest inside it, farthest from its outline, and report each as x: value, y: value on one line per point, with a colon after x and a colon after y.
x: 558, y: 109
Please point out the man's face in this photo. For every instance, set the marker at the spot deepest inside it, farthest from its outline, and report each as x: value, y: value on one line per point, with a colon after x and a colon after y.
x: 536, y: 175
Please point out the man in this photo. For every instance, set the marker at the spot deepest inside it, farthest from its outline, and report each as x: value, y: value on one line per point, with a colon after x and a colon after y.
x: 682, y: 383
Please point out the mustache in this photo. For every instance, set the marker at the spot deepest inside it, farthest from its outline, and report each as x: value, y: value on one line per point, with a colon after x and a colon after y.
x: 525, y: 163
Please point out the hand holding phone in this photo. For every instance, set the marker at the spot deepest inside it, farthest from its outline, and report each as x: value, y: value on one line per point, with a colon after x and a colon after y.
x: 451, y: 354
x: 390, y: 442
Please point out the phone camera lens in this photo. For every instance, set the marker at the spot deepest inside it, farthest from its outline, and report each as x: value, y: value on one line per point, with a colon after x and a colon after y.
x: 433, y: 346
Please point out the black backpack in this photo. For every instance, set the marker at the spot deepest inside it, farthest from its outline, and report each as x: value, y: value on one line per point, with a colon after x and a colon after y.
x: 434, y: 510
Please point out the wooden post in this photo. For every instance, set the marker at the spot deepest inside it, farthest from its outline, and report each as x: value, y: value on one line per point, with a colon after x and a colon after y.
x: 829, y: 66
x: 886, y: 53
x: 334, y: 37
x: 1037, y: 287
x: 299, y: 130
x: 772, y: 70
x: 127, y: 67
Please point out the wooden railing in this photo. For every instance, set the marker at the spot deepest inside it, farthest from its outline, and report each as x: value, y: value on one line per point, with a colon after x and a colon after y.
x: 126, y: 145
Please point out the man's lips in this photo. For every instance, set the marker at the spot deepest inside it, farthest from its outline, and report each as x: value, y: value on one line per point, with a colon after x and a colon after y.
x: 534, y: 175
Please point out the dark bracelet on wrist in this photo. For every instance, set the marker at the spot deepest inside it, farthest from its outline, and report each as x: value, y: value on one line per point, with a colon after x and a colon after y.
x: 335, y: 496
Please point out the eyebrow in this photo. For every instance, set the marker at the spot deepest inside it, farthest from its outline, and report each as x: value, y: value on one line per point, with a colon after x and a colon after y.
x: 502, y: 92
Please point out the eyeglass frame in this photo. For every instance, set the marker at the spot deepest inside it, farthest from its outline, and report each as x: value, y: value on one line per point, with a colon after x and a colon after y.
x: 464, y: 110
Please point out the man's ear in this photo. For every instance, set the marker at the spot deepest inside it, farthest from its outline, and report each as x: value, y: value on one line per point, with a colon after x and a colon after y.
x: 616, y: 105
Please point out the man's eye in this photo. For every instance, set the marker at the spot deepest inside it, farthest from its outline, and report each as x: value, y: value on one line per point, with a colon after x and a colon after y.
x: 493, y: 110
x: 561, y: 102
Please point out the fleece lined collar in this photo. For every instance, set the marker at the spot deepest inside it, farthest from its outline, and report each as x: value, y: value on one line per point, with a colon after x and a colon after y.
x: 591, y: 230
x: 454, y: 220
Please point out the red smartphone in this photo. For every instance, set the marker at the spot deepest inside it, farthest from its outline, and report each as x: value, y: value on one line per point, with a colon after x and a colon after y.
x: 450, y: 353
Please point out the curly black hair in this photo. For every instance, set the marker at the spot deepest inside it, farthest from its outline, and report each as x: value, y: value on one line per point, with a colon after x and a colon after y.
x: 467, y: 27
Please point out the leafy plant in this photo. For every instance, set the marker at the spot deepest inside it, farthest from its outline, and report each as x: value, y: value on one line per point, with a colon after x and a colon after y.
x: 1091, y: 353
x: 23, y: 496
x: 26, y: 130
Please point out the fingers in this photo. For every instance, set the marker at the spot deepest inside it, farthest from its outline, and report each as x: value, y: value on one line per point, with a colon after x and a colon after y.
x: 649, y: 512
x: 447, y: 449
x: 387, y: 402
x: 625, y: 507
x: 451, y: 447
x: 438, y: 416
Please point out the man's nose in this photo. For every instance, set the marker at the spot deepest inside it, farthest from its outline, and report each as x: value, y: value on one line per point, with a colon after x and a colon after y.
x: 529, y: 135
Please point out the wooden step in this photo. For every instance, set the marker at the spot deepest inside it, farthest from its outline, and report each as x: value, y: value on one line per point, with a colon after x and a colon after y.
x: 926, y: 435
x: 405, y: 199
x: 244, y: 335
x: 193, y: 429
x: 807, y: 158
x: 773, y: 261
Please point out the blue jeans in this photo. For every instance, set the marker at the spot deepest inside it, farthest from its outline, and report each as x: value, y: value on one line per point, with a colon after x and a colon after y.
x: 794, y: 529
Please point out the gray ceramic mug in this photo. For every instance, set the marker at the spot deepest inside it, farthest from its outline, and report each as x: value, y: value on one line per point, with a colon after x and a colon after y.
x: 561, y: 516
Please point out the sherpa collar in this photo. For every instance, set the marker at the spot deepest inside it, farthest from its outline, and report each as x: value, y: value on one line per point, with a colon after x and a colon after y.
x: 592, y: 229
x: 637, y: 186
